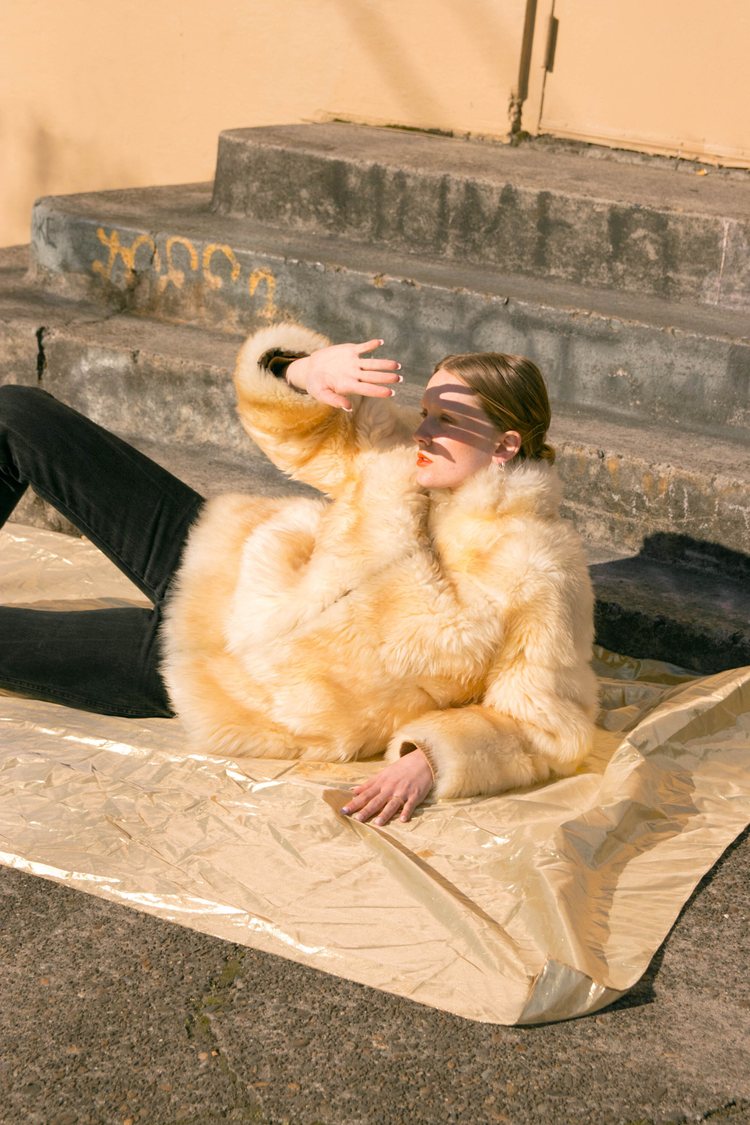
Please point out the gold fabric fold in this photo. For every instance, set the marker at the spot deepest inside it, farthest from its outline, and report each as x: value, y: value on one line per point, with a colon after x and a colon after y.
x: 535, y: 906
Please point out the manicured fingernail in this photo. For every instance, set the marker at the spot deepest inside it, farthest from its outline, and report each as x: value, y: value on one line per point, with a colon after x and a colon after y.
x: 398, y: 366
x: 346, y: 811
x: 380, y: 822
x: 400, y: 378
x: 348, y: 409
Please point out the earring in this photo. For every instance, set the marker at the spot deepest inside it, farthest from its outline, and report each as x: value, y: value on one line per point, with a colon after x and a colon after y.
x: 500, y: 465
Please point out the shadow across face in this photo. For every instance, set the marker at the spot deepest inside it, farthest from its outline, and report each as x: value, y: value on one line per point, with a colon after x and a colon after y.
x: 452, y: 413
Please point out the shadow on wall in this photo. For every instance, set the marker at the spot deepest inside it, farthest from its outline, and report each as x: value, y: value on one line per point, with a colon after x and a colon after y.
x: 37, y: 162
x: 683, y: 600
x: 417, y: 75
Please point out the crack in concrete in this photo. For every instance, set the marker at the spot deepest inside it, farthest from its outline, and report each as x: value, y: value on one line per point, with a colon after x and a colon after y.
x: 41, y: 358
x: 723, y: 261
x: 199, y: 1029
x: 728, y: 1111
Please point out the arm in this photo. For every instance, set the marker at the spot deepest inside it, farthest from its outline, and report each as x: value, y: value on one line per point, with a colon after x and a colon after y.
x: 315, y: 435
x: 535, y: 717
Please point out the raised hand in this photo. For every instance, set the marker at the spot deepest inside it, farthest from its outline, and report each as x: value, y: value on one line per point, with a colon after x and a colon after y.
x: 331, y: 374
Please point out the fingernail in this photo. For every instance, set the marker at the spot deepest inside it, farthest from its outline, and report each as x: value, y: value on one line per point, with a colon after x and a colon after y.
x: 346, y: 811
x: 400, y: 378
x: 398, y: 366
x: 392, y: 393
x: 380, y: 822
x: 348, y: 409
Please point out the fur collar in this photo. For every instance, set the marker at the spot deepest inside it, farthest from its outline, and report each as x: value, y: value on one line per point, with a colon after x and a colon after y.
x: 526, y: 488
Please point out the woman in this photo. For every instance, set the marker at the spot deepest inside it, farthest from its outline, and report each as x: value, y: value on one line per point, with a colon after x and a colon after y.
x: 434, y: 606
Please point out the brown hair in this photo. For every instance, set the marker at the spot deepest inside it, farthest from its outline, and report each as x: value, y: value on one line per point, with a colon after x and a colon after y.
x: 512, y: 393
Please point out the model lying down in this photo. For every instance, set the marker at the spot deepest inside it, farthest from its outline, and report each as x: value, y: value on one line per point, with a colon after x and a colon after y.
x: 431, y: 604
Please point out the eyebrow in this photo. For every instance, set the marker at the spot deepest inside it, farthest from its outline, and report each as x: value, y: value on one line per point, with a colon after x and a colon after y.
x: 440, y: 409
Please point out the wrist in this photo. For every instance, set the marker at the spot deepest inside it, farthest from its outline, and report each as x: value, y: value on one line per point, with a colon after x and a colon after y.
x: 296, y: 374
x: 412, y: 748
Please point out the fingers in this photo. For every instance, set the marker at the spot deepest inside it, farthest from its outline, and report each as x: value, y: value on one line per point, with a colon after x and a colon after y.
x: 368, y: 346
x: 371, y: 801
x: 372, y: 390
x: 410, y: 804
x: 389, y: 810
x: 399, y: 787
x: 388, y: 365
x: 330, y: 398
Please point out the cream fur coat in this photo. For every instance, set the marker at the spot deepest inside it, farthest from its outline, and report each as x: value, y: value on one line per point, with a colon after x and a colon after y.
x: 386, y: 616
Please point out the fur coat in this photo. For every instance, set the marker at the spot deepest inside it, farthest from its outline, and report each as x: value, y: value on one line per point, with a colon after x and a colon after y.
x: 381, y: 616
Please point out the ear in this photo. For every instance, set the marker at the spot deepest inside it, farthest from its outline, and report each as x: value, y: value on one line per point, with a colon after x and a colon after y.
x: 507, y: 447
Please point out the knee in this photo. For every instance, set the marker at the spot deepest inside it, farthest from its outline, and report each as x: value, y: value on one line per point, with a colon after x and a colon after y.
x: 18, y: 401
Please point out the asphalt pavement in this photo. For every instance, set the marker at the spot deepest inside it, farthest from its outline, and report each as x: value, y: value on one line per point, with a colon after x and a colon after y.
x: 112, y: 1016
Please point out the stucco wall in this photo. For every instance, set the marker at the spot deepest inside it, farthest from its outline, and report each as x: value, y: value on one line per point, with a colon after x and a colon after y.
x: 120, y: 93
x: 128, y: 92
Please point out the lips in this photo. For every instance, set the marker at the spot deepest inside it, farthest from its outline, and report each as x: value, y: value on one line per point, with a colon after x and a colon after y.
x: 422, y: 459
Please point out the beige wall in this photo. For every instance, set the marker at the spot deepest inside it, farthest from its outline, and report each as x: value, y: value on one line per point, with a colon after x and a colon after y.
x: 670, y: 76
x: 117, y: 93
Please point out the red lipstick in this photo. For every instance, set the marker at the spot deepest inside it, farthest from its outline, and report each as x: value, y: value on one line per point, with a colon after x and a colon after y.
x: 423, y: 459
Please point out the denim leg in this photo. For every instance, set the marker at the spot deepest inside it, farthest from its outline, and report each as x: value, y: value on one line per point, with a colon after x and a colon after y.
x: 137, y: 513
x: 102, y: 660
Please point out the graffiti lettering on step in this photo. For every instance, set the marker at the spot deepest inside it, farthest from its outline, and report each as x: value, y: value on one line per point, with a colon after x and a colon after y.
x: 174, y: 275
x: 126, y: 254
x: 216, y: 267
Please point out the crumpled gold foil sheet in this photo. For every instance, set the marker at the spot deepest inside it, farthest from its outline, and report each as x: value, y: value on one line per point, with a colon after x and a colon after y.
x: 535, y: 906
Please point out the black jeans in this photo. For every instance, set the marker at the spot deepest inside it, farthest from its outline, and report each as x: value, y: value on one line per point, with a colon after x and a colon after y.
x: 138, y: 514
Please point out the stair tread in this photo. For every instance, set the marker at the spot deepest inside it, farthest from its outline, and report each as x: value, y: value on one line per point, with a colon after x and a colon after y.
x: 185, y: 209
x: 673, y: 187
x: 193, y: 347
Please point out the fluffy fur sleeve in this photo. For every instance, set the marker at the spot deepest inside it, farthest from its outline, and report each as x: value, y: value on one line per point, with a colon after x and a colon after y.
x: 308, y: 440
x: 536, y: 716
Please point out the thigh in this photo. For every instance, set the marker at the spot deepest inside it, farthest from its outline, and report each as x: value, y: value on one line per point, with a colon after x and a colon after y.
x: 135, y: 511
x: 103, y: 660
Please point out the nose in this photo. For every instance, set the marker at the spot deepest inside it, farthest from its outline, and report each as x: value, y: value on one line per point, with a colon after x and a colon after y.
x: 421, y: 434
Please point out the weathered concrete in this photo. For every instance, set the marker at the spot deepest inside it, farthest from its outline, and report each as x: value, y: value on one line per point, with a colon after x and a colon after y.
x: 172, y: 385
x: 641, y: 229
x: 658, y: 607
x: 159, y: 252
x: 108, y: 1015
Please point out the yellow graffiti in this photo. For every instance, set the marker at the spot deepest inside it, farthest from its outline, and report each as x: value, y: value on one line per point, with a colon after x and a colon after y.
x: 269, y: 310
x: 212, y: 280
x: 126, y: 254
x: 175, y: 276
x: 180, y: 256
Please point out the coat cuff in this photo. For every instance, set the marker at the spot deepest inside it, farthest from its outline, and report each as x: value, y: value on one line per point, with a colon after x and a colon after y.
x: 276, y: 360
x: 471, y: 750
x: 255, y: 377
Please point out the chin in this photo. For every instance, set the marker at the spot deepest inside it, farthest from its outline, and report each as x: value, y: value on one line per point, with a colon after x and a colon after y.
x: 429, y: 477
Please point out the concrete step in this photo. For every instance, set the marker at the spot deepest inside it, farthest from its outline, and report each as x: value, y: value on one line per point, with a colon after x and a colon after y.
x: 678, y: 600
x: 169, y: 383
x: 645, y: 229
x: 167, y: 389
x: 160, y: 252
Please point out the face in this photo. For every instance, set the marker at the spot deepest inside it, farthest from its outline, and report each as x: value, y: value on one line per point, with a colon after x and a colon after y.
x: 456, y: 438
